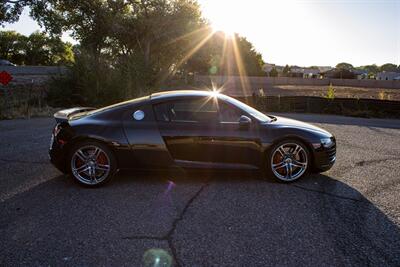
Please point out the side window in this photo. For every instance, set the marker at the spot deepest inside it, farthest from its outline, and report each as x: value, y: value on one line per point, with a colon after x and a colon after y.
x: 162, y: 112
x: 229, y: 113
x: 188, y: 110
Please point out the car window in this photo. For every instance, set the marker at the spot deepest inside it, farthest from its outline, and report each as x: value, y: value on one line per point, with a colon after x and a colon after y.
x: 242, y: 106
x: 229, y: 113
x: 188, y: 110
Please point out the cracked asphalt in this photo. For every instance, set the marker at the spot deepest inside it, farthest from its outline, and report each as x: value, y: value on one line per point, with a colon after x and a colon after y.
x: 348, y: 216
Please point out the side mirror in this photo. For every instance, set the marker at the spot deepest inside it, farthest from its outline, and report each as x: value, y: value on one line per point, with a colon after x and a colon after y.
x: 244, y: 122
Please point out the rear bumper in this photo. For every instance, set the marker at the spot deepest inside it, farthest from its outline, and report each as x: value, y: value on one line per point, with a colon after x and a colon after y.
x: 57, y: 155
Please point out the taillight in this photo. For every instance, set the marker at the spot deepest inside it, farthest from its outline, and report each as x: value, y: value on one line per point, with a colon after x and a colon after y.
x: 57, y: 130
x: 58, y: 138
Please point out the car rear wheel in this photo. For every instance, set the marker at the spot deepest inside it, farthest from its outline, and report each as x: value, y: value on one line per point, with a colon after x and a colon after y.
x: 92, y: 163
x: 288, y: 161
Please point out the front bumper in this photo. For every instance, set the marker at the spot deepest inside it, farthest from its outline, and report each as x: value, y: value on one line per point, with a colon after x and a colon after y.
x: 324, y: 157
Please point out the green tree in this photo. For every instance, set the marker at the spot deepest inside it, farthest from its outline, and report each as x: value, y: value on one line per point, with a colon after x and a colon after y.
x: 12, y: 46
x: 36, y: 49
x: 252, y: 60
x: 286, y: 71
x: 388, y: 67
x: 273, y: 72
x: 127, y: 47
x: 373, y: 69
x: 344, y: 66
x: 138, y: 44
x: 227, y: 55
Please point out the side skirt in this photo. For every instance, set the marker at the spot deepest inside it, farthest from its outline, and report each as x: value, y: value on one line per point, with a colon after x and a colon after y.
x: 213, y: 165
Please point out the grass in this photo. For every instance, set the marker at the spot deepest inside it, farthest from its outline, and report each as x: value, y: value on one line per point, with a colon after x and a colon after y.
x: 339, y: 92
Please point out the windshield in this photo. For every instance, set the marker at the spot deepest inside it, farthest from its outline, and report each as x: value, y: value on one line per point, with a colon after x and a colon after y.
x: 252, y: 111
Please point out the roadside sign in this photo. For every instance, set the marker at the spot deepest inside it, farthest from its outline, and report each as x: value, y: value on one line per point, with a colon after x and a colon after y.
x: 5, y: 77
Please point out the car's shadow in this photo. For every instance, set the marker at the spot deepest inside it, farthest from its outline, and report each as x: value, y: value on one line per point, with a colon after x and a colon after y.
x: 318, y: 221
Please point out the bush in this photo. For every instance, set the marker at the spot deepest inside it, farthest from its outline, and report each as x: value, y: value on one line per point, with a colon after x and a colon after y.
x: 96, y: 82
x: 330, y: 94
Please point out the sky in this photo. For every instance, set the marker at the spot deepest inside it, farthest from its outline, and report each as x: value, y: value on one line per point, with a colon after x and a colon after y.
x: 303, y: 33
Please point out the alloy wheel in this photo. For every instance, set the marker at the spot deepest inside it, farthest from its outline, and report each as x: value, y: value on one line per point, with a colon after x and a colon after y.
x: 90, y: 165
x: 289, y: 161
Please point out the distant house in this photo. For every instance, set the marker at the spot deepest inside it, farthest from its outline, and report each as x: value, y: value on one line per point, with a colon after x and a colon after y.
x: 268, y: 67
x: 323, y: 69
x: 311, y: 73
x: 339, y: 74
x: 388, y: 75
x: 361, y: 74
x: 297, y: 71
x: 304, y: 72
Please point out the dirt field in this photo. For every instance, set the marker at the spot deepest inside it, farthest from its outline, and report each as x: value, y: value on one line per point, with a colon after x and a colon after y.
x: 340, y: 91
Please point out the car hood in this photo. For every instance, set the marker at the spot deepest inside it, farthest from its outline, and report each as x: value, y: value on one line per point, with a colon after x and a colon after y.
x: 286, y: 122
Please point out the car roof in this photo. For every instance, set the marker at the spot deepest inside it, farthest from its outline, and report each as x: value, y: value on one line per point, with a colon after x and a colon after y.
x: 179, y: 93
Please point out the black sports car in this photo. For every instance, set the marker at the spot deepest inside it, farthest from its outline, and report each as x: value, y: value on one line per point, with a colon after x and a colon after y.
x: 188, y: 129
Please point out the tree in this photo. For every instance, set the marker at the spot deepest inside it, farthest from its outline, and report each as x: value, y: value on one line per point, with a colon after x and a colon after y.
x: 373, y: 69
x: 252, y: 60
x: 343, y: 74
x: 36, y: 49
x: 137, y: 43
x: 286, y: 71
x: 127, y: 47
x: 11, y: 10
x: 12, y: 46
x: 344, y: 66
x: 388, y: 67
x: 227, y: 55
x: 273, y: 72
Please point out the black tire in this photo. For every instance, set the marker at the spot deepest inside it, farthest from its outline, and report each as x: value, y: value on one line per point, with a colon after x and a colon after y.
x: 105, y: 155
x: 270, y: 173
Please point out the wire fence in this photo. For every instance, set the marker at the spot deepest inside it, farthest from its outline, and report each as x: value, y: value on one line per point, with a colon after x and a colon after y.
x: 25, y: 101
x: 338, y: 106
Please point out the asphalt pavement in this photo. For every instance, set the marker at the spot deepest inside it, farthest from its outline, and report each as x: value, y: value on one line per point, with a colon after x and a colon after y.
x: 348, y: 216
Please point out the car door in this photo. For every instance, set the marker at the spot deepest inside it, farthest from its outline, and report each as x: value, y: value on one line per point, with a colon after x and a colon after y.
x: 235, y: 144
x: 187, y: 127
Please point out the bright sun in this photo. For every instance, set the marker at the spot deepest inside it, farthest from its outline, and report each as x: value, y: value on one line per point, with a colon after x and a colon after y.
x: 227, y: 28
x: 224, y: 15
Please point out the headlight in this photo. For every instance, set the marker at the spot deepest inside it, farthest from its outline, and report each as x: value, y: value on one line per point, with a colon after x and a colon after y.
x: 326, y: 142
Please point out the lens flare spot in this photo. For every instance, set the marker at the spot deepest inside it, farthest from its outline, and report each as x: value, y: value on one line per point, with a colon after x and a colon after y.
x: 213, y: 70
x: 157, y: 257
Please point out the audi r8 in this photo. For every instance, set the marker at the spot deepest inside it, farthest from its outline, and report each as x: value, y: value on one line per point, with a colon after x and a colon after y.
x: 185, y: 129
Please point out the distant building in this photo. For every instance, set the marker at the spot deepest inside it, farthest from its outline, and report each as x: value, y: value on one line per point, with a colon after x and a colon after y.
x: 268, y: 67
x: 297, y: 71
x: 304, y: 72
x: 361, y: 74
x: 388, y: 75
x: 311, y: 73
x: 323, y: 69
x: 339, y: 74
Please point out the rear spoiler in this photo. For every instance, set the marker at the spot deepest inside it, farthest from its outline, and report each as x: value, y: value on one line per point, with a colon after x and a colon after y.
x: 65, y: 114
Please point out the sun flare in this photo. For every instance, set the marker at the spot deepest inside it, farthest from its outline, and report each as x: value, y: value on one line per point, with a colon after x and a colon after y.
x: 227, y: 29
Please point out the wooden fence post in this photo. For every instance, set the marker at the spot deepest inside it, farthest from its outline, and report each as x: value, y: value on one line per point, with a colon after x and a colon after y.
x: 279, y: 103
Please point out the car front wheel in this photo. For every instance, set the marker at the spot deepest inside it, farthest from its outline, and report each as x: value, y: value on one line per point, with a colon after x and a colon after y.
x: 92, y: 163
x: 288, y: 161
